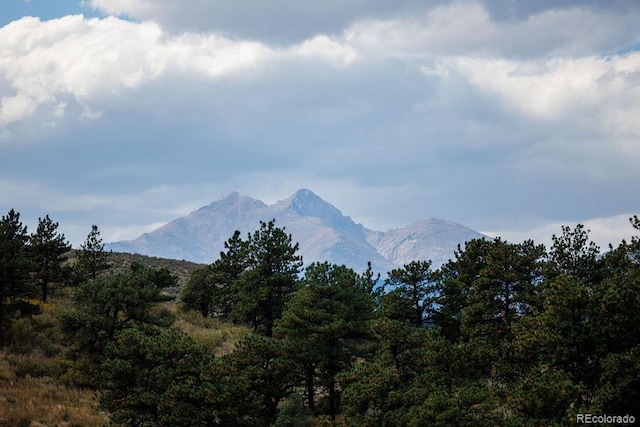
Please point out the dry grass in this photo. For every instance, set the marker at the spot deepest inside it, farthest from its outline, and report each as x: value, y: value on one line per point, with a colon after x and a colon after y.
x: 220, y: 337
x: 27, y: 401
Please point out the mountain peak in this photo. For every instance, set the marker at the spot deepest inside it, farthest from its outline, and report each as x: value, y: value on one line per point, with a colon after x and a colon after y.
x: 304, y: 193
x: 305, y: 202
x: 232, y: 199
x: 324, y: 233
x: 229, y: 195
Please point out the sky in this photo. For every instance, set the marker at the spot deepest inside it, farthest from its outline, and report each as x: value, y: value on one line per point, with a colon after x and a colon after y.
x: 512, y: 117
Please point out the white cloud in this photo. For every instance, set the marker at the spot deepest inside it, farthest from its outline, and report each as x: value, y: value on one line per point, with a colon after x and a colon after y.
x: 592, y: 90
x: 402, y: 116
x: 46, y: 64
x: 466, y: 28
x: 326, y: 48
x: 89, y: 58
x: 211, y: 55
x: 444, y: 30
x: 16, y: 107
x: 73, y: 58
x: 603, y: 231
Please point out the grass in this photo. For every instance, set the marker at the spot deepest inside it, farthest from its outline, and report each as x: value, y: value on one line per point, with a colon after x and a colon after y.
x: 28, y: 401
x: 219, y: 336
x: 35, y: 390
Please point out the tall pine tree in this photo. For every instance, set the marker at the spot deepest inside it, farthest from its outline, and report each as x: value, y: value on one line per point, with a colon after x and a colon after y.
x: 325, y: 327
x: 46, y: 247
x: 15, y: 287
x: 91, y: 258
x: 269, y: 280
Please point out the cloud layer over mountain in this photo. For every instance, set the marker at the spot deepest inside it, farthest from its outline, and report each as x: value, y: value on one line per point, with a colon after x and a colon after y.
x: 511, y: 117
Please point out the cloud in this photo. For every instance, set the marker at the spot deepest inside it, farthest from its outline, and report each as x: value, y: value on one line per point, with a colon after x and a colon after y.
x: 602, y: 231
x: 72, y: 56
x: 560, y: 89
x: 83, y: 60
x: 467, y: 28
x: 497, y: 121
x: 518, y: 29
x: 123, y: 214
x: 282, y: 22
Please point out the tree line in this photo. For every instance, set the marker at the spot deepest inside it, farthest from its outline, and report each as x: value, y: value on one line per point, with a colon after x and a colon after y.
x: 503, y: 334
x: 30, y: 264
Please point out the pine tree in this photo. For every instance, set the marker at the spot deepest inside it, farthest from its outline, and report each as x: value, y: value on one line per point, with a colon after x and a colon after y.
x: 502, y: 291
x: 259, y: 364
x: 110, y: 304
x: 197, y: 292
x: 269, y: 279
x: 91, y: 258
x: 142, y: 374
x: 15, y: 286
x: 573, y: 254
x: 413, y: 293
x: 46, y: 248
x: 325, y: 325
x: 210, y: 289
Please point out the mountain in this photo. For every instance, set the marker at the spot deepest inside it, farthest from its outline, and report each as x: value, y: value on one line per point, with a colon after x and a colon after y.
x: 322, y: 231
x: 427, y: 239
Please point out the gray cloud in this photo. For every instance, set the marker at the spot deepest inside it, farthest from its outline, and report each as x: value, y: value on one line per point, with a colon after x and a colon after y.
x: 281, y: 22
x: 286, y: 22
x: 508, y: 122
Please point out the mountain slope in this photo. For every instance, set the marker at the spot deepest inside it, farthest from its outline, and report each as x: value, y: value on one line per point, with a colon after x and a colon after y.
x: 428, y: 239
x: 322, y: 231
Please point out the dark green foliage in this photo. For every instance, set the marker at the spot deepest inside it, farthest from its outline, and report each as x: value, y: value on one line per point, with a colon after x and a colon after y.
x: 544, y: 397
x: 209, y: 289
x: 325, y: 327
x: 211, y: 396
x: 15, y: 287
x: 243, y: 388
x: 110, y: 304
x: 294, y: 413
x: 375, y: 391
x: 251, y: 281
x: 259, y: 365
x: 502, y: 292
x: 198, y: 291
x: 429, y: 386
x: 412, y: 295
x: 616, y: 321
x: 91, y: 259
x: 269, y: 279
x: 503, y: 335
x: 618, y: 390
x: 452, y: 286
x: 140, y: 374
x: 226, y: 271
x: 46, y: 248
x: 559, y: 334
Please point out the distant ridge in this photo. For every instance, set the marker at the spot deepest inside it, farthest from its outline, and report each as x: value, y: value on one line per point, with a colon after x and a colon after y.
x: 323, y: 232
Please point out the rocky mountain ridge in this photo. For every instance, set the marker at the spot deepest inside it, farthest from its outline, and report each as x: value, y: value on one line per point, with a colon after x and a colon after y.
x: 322, y: 231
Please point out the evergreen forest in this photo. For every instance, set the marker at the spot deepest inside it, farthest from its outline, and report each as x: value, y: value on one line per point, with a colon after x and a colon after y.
x: 504, y: 334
